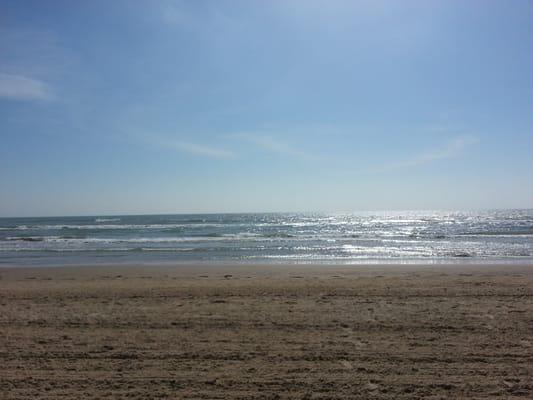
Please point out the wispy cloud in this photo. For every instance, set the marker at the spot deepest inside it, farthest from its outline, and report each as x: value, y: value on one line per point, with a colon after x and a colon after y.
x: 273, y: 145
x: 18, y: 87
x: 452, y: 150
x: 199, y: 150
x: 173, y: 13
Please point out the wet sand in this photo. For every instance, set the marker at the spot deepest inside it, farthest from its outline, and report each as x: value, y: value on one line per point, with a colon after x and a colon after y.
x: 267, y: 332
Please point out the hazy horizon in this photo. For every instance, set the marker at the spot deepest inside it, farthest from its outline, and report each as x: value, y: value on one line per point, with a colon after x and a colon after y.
x: 308, y: 212
x: 190, y: 107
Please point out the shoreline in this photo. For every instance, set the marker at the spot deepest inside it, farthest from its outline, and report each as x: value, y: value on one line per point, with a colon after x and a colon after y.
x: 460, y: 261
x: 192, y: 269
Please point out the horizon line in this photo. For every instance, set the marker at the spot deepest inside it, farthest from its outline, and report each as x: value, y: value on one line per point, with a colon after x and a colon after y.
x: 271, y: 212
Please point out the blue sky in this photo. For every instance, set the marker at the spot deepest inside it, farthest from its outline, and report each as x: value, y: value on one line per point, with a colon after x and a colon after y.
x: 229, y: 106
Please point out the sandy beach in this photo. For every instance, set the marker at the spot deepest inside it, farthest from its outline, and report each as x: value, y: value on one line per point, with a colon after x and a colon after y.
x: 267, y: 332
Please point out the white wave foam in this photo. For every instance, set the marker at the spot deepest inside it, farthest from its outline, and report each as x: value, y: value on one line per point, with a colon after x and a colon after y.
x: 122, y: 226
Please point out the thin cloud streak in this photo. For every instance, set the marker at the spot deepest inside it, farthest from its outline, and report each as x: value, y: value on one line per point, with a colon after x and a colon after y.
x: 199, y: 150
x: 454, y: 149
x: 272, y: 145
x: 18, y: 87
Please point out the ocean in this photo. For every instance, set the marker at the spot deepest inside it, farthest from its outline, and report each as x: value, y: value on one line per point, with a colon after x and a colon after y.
x: 340, y: 238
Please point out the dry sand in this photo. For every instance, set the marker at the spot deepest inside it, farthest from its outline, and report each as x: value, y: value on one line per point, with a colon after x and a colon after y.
x: 271, y: 332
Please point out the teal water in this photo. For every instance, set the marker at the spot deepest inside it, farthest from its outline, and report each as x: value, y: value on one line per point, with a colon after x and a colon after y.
x: 411, y: 236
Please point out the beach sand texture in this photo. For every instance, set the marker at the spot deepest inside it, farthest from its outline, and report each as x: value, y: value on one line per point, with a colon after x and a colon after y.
x: 267, y: 332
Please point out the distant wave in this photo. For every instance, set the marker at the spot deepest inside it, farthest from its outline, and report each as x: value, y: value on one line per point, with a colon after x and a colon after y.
x: 26, y: 238
x: 95, y: 227
x: 462, y: 255
x: 123, y: 249
x: 517, y: 232
x: 167, y: 249
x: 416, y: 235
x: 198, y: 238
x: 121, y: 226
x: 13, y: 228
x: 277, y: 235
x: 106, y: 220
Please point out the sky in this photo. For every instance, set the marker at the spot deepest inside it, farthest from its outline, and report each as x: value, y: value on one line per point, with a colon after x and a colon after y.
x: 143, y: 107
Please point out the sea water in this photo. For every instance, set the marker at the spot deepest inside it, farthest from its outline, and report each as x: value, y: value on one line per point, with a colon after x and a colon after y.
x: 364, y: 237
